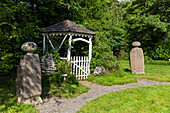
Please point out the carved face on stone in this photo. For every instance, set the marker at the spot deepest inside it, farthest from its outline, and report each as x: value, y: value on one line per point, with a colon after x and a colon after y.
x: 29, y: 47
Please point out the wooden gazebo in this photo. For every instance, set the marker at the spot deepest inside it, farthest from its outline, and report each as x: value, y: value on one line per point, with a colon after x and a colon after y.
x: 72, y: 32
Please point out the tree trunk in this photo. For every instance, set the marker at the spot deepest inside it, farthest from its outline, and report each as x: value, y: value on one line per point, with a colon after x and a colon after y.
x: 165, y: 37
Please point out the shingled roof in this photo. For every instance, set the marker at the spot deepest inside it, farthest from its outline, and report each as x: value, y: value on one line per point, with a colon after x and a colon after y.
x: 67, y: 26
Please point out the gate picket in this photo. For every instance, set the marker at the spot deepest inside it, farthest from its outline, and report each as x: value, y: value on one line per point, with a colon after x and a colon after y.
x: 80, y: 66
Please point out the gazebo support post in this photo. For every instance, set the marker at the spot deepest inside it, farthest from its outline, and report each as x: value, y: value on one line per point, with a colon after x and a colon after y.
x: 90, y: 49
x: 69, y: 48
x: 43, y: 44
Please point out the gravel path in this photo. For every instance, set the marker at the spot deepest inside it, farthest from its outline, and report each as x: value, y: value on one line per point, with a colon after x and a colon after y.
x: 59, y: 105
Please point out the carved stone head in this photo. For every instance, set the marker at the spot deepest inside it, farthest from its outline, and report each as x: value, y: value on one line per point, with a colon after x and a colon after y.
x: 29, y: 47
x: 136, y: 44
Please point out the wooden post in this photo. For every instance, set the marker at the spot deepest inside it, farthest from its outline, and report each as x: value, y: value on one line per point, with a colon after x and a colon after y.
x: 69, y: 48
x: 87, y: 65
x: 76, y: 66
x: 74, y: 59
x: 79, y: 65
x: 90, y: 48
x: 84, y: 65
x: 43, y: 44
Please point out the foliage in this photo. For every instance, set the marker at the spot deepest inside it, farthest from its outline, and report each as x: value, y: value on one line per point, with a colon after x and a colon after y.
x: 17, y: 26
x: 50, y: 12
x: 63, y: 67
x: 120, y: 22
x: 55, y: 85
x: 147, y: 99
x: 102, y: 54
x: 104, y: 43
x: 161, y: 51
x: 114, y: 27
x: 105, y: 18
x: 148, y: 22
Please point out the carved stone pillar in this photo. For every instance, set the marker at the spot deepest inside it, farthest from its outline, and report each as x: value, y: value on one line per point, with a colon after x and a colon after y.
x: 137, y: 59
x: 28, y: 81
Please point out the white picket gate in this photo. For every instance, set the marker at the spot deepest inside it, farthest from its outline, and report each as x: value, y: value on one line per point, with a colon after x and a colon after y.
x: 80, y: 66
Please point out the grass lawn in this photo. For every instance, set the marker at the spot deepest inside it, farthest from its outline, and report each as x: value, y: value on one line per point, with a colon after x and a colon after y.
x: 145, y: 99
x: 158, y: 71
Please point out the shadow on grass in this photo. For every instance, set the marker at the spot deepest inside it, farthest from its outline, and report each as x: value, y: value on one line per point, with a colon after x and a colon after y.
x: 127, y: 70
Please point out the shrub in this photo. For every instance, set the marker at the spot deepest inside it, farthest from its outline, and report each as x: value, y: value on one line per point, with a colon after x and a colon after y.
x: 161, y: 51
x: 55, y: 84
x: 63, y: 67
x: 102, y: 54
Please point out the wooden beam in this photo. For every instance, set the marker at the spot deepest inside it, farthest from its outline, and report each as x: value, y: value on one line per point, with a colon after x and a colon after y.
x: 50, y: 42
x: 62, y: 42
x: 81, y: 39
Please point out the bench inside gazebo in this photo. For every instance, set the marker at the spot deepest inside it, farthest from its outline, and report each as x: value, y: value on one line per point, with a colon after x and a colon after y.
x: 71, y: 32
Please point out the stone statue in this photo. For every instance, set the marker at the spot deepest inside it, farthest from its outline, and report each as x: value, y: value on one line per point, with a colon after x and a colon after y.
x: 48, y: 65
x: 98, y: 70
x: 137, y: 59
x: 28, y: 81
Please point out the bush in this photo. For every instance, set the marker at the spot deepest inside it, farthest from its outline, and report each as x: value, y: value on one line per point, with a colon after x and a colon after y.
x: 161, y: 51
x: 56, y: 85
x: 63, y: 67
x: 102, y: 54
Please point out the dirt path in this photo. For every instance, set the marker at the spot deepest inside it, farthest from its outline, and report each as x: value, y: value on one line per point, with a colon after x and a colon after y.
x: 58, y: 105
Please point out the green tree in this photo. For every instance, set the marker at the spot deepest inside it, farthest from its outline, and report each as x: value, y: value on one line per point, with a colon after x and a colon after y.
x: 105, y: 17
x: 16, y: 27
x: 50, y: 12
x: 147, y: 22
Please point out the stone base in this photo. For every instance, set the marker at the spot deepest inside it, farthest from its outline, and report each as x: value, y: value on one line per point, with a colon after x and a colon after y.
x: 32, y: 100
x: 138, y: 72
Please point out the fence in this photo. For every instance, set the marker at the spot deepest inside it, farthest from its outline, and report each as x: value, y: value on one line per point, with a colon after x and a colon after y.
x: 80, y: 66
